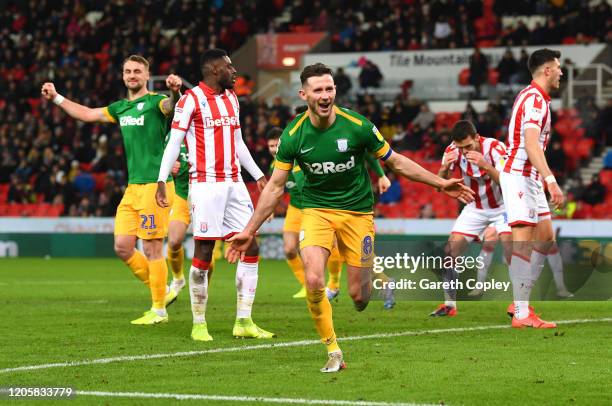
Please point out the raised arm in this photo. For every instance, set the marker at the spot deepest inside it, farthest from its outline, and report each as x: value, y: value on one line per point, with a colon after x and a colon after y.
x: 174, y: 83
x: 76, y: 110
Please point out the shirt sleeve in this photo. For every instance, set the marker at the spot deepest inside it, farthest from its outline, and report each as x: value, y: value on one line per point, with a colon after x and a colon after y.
x: 534, y: 112
x: 497, y: 152
x: 183, y: 113
x: 375, y: 165
x: 110, y: 112
x: 160, y: 105
x: 375, y: 143
x: 286, y: 152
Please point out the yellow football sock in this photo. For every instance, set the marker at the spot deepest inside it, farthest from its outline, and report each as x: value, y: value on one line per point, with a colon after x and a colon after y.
x: 297, y: 267
x: 321, y: 312
x: 334, y: 267
x: 176, y: 260
x: 158, y: 275
x: 140, y: 266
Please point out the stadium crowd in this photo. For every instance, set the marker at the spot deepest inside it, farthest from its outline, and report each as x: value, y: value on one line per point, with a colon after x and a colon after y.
x: 47, y: 157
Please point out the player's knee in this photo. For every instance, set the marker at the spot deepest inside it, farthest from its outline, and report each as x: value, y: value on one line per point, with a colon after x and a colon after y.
x: 123, y: 251
x: 360, y: 305
x: 291, y: 252
x: 314, y: 281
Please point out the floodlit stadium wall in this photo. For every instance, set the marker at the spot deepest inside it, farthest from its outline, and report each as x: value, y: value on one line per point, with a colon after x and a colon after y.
x: 93, y: 237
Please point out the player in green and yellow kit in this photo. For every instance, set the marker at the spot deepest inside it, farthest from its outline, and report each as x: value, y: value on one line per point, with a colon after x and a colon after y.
x: 329, y: 143
x: 293, y: 223
x: 180, y: 218
x: 142, y: 118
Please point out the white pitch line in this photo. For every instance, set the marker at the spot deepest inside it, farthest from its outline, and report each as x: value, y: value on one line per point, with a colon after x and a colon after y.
x: 296, y: 401
x: 145, y: 357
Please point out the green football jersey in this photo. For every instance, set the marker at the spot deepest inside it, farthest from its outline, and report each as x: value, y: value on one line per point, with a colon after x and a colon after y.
x: 332, y: 160
x: 181, y: 180
x: 143, y: 127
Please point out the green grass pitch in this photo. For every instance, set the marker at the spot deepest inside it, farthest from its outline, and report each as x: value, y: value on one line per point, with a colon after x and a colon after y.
x: 70, y: 310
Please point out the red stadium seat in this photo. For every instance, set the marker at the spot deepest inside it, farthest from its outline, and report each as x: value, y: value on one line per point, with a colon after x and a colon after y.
x: 605, y: 177
x: 584, y: 148
x: 464, y: 77
x: 493, y: 77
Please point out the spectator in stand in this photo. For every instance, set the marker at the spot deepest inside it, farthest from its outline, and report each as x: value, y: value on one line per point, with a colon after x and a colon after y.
x: 394, y: 193
x: 507, y: 67
x: 370, y: 75
x: 244, y: 86
x: 555, y: 156
x: 595, y: 192
x: 523, y: 76
x: 424, y: 119
x: 490, y: 122
x: 479, y: 69
x: 575, y: 186
x: 343, y: 85
x: 427, y: 212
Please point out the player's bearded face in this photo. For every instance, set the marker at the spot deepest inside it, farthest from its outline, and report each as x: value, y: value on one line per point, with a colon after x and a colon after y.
x: 227, y: 74
x: 135, y: 75
x: 319, y: 92
x: 273, y: 147
x: 555, y: 73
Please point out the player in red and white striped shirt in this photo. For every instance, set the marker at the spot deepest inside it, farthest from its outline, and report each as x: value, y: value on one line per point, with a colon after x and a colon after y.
x: 521, y: 182
x: 207, y: 118
x: 477, y: 158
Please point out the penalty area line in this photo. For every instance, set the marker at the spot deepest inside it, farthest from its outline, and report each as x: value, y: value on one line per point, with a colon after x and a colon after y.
x: 146, y: 357
x: 261, y: 399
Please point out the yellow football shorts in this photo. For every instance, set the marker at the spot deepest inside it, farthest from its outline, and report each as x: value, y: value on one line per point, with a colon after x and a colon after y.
x: 354, y: 232
x: 293, y: 220
x: 180, y: 210
x: 138, y: 214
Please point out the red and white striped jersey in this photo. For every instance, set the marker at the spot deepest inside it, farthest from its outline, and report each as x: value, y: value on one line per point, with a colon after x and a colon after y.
x: 487, y: 193
x: 531, y: 110
x: 212, y: 124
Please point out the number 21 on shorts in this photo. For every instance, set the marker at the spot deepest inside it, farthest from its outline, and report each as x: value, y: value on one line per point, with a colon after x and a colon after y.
x: 151, y: 222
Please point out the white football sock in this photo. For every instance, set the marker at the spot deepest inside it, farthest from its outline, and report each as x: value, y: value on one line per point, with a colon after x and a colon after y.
x: 556, y: 266
x: 537, y: 264
x: 520, y: 275
x: 246, y: 286
x: 198, y: 291
x: 450, y: 295
x: 487, y: 258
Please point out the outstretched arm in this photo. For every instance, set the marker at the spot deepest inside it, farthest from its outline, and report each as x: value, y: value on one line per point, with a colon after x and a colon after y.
x: 268, y: 200
x: 411, y: 170
x: 76, y: 110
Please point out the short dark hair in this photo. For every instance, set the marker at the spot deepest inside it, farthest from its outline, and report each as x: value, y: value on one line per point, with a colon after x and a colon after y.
x: 318, y: 69
x: 211, y: 55
x: 274, y: 133
x: 540, y: 57
x: 137, y: 58
x: 300, y: 109
x: 462, y: 129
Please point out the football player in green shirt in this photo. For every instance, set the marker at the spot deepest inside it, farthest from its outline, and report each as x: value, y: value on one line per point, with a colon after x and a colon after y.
x: 142, y: 118
x: 329, y: 143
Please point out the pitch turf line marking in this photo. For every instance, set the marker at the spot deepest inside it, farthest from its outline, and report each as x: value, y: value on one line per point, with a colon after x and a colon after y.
x: 298, y: 401
x: 146, y: 357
